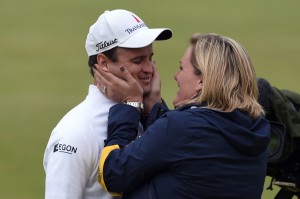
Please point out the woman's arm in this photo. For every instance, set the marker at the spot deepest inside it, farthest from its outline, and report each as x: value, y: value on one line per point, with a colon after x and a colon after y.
x: 123, y: 122
x: 156, y: 112
x: 127, y: 168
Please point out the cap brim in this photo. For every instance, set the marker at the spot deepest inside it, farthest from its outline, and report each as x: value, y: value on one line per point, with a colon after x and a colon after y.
x: 146, y: 37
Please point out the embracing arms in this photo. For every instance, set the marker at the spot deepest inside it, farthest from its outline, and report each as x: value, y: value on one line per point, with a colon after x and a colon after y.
x: 125, y: 166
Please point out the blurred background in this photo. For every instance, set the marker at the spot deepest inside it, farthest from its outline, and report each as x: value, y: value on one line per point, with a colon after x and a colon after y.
x: 44, y: 71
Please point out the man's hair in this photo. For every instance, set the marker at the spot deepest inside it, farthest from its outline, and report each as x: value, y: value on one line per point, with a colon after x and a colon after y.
x: 111, y: 54
x: 229, y: 77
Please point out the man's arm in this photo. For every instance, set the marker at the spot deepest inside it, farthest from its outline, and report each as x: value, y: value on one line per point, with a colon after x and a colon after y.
x: 67, y: 167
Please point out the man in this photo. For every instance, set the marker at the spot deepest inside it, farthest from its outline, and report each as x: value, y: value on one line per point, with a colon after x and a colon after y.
x: 118, y: 37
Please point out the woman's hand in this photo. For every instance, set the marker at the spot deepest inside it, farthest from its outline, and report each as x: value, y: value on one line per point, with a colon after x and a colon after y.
x: 119, y: 90
x: 155, y: 94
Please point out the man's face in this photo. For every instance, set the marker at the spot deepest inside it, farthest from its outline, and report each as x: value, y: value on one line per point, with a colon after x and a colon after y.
x: 138, y: 62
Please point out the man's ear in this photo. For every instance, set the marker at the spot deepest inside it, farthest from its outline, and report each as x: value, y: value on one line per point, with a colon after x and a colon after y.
x: 103, y: 61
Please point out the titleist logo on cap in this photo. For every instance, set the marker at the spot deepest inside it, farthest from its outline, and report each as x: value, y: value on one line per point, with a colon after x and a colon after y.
x: 105, y: 44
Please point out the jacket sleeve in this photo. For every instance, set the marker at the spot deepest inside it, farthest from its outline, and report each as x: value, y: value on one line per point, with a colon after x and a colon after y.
x: 128, y: 168
x: 156, y: 112
x: 123, y: 122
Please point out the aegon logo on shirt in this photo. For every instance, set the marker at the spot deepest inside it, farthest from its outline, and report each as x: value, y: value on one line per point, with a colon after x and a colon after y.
x: 64, y: 148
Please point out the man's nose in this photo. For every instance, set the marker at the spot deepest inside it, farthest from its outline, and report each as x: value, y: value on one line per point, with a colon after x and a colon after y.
x: 148, y: 67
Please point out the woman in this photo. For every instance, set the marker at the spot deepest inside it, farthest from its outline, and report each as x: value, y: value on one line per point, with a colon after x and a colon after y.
x: 213, y: 145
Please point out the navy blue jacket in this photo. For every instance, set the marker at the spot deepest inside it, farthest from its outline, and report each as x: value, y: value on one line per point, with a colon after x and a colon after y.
x: 191, y: 152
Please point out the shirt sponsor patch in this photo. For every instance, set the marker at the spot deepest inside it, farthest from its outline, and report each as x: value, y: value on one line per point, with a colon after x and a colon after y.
x: 64, y: 148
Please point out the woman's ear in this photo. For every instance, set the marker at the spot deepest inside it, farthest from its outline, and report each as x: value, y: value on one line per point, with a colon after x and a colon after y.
x: 102, y: 61
x: 199, y: 85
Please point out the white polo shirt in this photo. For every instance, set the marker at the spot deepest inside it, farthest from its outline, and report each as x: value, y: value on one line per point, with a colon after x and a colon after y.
x: 72, y: 155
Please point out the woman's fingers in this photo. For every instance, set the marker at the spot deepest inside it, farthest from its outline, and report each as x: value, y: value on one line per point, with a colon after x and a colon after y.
x: 97, y: 76
x: 102, y: 76
x: 123, y: 87
x: 134, y: 91
x: 155, y: 93
x: 127, y: 76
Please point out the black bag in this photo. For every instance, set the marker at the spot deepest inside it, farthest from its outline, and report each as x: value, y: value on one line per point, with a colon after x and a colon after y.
x: 283, y: 111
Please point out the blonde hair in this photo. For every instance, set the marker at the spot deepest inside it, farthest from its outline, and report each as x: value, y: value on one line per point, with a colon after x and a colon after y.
x: 229, y: 79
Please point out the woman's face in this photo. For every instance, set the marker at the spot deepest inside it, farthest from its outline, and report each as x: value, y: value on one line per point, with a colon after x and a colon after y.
x: 189, y: 84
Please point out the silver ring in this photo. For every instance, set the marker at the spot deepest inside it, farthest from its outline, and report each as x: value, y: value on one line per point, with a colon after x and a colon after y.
x: 104, y: 89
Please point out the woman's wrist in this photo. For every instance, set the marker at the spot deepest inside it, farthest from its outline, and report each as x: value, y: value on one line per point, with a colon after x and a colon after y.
x: 149, y: 104
x: 138, y: 105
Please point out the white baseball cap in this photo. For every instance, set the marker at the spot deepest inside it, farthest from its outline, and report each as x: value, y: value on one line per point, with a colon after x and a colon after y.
x: 121, y: 28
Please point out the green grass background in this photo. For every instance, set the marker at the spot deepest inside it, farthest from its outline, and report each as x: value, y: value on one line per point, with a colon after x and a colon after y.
x: 44, y: 70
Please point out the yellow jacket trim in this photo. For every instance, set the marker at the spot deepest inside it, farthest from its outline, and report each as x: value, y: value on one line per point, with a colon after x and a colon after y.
x: 105, y: 152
